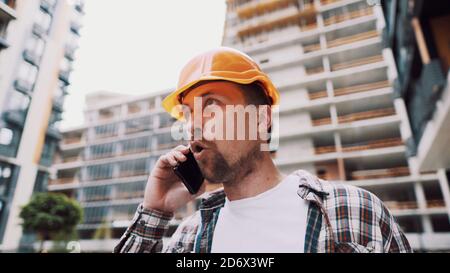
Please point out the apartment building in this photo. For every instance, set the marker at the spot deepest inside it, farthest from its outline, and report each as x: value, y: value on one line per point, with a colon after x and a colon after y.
x: 7, y: 13
x: 421, y: 49
x: 106, y: 162
x: 34, y: 76
x: 341, y: 115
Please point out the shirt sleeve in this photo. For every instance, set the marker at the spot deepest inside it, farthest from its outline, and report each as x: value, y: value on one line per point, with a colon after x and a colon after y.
x: 394, y: 239
x: 145, y: 233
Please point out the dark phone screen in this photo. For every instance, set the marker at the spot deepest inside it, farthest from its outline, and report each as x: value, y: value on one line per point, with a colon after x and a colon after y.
x: 189, y: 173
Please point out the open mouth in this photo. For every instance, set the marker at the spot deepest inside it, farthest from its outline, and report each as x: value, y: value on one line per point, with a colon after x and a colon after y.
x: 197, y: 147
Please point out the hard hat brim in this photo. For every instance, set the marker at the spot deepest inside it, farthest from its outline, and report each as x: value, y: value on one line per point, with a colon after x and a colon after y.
x: 172, y: 99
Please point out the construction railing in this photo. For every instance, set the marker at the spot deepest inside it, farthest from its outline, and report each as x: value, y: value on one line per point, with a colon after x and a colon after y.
x: 379, y: 173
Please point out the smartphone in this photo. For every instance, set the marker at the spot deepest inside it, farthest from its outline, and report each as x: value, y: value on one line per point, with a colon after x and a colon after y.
x: 189, y: 173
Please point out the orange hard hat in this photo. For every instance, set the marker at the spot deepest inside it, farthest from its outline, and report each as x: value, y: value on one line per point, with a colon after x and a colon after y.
x: 222, y: 63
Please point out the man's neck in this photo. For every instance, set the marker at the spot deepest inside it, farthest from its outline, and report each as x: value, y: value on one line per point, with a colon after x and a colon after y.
x: 261, y: 177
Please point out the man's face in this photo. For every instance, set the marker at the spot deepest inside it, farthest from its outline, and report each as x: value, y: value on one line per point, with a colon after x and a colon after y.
x: 221, y: 160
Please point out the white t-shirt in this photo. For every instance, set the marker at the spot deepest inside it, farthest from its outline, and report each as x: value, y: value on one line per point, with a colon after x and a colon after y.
x: 273, y: 221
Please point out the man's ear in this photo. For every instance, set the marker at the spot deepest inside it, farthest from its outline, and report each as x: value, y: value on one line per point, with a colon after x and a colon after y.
x: 264, y: 122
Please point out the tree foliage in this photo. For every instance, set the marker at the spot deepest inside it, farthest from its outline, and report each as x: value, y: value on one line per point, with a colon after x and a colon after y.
x: 48, y: 214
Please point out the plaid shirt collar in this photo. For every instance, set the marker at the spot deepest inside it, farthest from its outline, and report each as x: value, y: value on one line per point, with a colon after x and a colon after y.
x: 309, y: 189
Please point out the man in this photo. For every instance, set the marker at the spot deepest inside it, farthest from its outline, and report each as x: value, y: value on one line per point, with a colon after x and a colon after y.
x: 259, y: 209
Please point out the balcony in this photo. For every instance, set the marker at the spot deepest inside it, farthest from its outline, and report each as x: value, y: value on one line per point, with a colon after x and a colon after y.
x: 361, y: 146
x: 47, y: 6
x: 3, y: 43
x: 7, y: 12
x: 365, y: 115
x: 357, y: 62
x: 348, y: 16
x: 75, y: 27
x: 31, y: 57
x: 23, y: 86
x: 401, y: 205
x: 291, y: 17
x: 317, y: 95
x: 260, y: 7
x: 79, y: 7
x: 348, y: 90
x: 72, y: 159
x: 16, y: 117
x: 129, y: 195
x: 327, y: 2
x: 69, y: 52
x: 353, y: 38
x: 404, y: 205
x: 311, y: 48
x: 53, y: 132
x: 129, y: 173
x: 314, y: 70
x: 63, y: 181
x: 72, y: 140
x: 379, y: 173
x: 39, y: 30
x: 58, y: 104
x: 97, y: 197
x: 361, y: 88
x: 64, y: 76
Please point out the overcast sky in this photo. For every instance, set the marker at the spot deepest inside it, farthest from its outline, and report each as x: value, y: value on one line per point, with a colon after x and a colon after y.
x: 139, y: 46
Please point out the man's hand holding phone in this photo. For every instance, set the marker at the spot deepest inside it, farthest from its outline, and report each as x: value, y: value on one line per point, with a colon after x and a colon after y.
x: 165, y: 190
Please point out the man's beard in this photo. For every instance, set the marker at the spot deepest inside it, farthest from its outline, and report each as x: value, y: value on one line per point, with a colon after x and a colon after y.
x: 218, y: 170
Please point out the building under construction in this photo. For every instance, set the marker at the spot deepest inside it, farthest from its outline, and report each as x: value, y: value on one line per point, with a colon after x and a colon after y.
x: 341, y: 115
x: 105, y: 163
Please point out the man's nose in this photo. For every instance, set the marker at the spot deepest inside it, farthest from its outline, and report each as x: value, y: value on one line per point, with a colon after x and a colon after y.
x: 195, y: 130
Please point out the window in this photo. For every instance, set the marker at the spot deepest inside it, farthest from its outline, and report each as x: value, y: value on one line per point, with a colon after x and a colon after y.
x: 130, y: 190
x: 102, y: 150
x: 136, y: 145
x: 47, y: 152
x: 55, y: 117
x: 123, y: 212
x: 6, y: 136
x: 5, y: 178
x: 137, y: 125
x: 106, y: 130
x: 165, y: 120
x: 98, y: 172
x: 134, y: 167
x: 165, y: 141
x: 41, y: 182
x: 98, y: 193
x: 95, y: 214
x: 9, y: 141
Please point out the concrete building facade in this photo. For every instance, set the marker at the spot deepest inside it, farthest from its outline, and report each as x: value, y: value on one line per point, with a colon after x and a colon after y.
x: 340, y: 116
x: 34, y: 76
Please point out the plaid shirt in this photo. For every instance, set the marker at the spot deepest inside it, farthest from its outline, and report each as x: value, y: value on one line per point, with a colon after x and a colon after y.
x: 341, y: 218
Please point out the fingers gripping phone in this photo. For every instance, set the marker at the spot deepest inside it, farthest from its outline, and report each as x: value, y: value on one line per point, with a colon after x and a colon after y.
x: 189, y: 173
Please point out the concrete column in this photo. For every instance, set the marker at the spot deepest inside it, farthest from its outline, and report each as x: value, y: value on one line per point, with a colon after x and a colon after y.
x: 443, y: 183
x: 422, y: 205
x: 334, y: 115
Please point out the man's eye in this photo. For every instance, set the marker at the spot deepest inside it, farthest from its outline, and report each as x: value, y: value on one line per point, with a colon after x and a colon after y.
x: 211, y: 102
